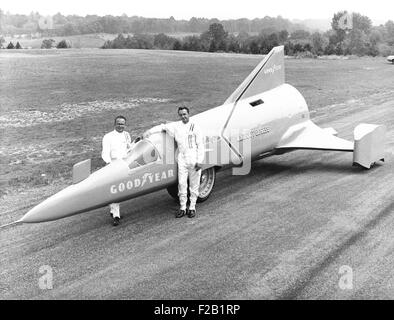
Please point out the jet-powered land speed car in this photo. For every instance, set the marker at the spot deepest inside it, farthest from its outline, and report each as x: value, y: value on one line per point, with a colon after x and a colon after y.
x: 264, y: 116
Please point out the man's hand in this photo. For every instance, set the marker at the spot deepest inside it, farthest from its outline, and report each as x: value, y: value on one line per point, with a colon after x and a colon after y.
x: 146, y: 134
x: 197, y: 166
x: 156, y: 129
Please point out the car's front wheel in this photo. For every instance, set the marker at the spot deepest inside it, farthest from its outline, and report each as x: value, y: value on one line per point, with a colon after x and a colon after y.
x: 207, y: 181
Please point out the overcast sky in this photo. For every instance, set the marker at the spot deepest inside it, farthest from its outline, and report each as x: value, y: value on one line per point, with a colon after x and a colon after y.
x: 378, y: 10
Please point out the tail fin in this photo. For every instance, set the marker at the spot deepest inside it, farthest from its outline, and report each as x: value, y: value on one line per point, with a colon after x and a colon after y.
x: 269, y: 74
x: 369, y: 140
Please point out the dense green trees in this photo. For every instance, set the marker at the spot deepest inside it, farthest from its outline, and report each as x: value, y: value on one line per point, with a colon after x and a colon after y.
x: 349, y: 34
x: 73, y: 24
x: 138, y: 41
x: 48, y: 44
x: 352, y: 34
x: 361, y: 39
x: 64, y: 44
x: 163, y: 41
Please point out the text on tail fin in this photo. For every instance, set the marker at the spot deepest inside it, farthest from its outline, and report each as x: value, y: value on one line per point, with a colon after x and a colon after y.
x: 268, y: 74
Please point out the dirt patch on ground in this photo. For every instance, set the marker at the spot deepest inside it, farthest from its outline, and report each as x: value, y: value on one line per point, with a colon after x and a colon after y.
x: 67, y: 112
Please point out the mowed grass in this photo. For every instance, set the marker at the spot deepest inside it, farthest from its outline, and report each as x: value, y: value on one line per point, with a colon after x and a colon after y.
x: 55, y: 105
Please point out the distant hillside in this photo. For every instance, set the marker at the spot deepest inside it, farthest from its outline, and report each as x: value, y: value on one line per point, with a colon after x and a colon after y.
x: 321, y: 25
x: 60, y: 25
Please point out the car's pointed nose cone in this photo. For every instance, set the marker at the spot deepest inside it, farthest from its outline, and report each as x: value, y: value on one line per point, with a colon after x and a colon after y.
x: 55, y: 207
x: 94, y: 192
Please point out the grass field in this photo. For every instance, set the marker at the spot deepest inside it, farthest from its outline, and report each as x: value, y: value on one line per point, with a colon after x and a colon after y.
x: 56, y: 105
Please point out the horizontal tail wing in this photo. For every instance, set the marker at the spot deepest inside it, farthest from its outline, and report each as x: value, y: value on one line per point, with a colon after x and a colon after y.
x: 307, y: 135
x: 367, y: 148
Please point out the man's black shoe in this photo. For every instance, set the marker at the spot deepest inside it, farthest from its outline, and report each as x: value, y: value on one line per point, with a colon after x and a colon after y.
x: 191, y: 213
x: 116, y: 221
x: 180, y: 213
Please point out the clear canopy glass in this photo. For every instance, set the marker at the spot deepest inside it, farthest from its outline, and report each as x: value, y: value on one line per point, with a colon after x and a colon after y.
x: 144, y: 152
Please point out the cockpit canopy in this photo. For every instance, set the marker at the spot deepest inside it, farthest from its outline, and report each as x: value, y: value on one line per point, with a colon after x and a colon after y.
x: 144, y: 152
x: 157, y: 146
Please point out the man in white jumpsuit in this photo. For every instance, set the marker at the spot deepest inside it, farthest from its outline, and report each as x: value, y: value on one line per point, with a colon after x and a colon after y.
x: 116, y: 144
x: 190, y: 157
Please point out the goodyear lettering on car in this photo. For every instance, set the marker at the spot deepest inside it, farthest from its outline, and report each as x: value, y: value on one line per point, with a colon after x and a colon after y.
x: 146, y: 178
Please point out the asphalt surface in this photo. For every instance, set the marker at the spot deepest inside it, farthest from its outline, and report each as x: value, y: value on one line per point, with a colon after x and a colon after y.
x: 288, y: 230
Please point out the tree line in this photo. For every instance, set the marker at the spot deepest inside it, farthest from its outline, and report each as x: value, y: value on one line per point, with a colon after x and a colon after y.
x: 255, y: 36
x: 360, y: 39
x: 10, y: 45
x: 73, y: 24
x: 46, y: 44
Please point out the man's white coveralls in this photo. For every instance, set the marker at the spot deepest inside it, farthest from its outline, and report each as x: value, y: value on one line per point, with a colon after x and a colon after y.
x: 190, y: 151
x: 115, y: 146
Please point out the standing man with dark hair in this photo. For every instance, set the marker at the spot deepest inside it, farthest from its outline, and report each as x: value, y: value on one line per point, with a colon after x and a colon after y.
x: 190, y: 157
x: 116, y: 144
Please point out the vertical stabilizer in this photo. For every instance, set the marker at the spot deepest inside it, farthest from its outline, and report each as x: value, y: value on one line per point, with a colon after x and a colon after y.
x: 369, y: 140
x: 269, y: 74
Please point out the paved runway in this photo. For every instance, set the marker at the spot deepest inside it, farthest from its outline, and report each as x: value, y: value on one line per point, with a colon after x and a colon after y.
x: 282, y: 232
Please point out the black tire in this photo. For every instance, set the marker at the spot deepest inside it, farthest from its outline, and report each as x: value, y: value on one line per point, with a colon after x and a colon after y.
x: 207, y: 181
x: 208, y: 178
x: 173, y: 191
